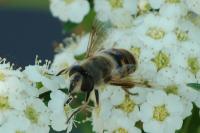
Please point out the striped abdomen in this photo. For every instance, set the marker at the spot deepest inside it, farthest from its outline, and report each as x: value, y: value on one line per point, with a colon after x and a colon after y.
x: 125, y: 62
x: 108, y: 62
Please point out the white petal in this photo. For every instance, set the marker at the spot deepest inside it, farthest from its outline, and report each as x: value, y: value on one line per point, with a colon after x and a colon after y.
x: 146, y: 112
x: 173, y: 104
x: 156, y: 98
x: 153, y: 127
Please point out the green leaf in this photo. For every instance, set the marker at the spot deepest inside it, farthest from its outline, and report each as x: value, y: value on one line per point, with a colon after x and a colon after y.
x: 88, y: 20
x: 69, y: 27
x: 80, y: 56
x: 39, y: 85
x: 191, y: 123
x: 195, y: 86
x: 45, y: 97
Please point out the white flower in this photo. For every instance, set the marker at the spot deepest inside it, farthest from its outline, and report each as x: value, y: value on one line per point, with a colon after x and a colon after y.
x: 115, y: 107
x: 62, y: 61
x: 121, y: 123
x: 41, y: 76
x: 69, y: 10
x: 161, y: 113
x: 119, y: 12
x: 155, y: 31
x: 59, y: 112
x: 156, y: 4
x: 173, y: 10
x: 75, y: 46
x: 15, y: 123
x: 37, y: 114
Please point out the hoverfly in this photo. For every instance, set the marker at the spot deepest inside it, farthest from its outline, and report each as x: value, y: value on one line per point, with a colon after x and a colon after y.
x: 101, y: 66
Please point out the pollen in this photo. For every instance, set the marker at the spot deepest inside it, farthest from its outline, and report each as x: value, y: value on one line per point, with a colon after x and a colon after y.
x: 4, y: 104
x: 155, y: 33
x: 160, y: 113
x: 127, y: 105
x: 47, y: 75
x: 136, y: 51
x: 144, y: 7
x: 161, y: 60
x: 173, y: 1
x: 2, y: 76
x: 31, y: 114
x: 116, y: 3
x: 121, y: 130
x: 171, y: 89
x: 68, y: 1
x: 67, y: 108
x: 181, y: 35
x: 19, y: 131
x: 193, y: 64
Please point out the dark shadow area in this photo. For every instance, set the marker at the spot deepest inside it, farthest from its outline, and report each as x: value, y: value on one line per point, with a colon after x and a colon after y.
x: 23, y: 34
x: 27, y: 33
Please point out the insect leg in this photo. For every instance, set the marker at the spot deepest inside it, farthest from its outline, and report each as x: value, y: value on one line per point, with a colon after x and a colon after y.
x: 87, y: 96
x: 97, y: 96
x: 82, y: 107
x: 128, y: 92
x: 125, y: 83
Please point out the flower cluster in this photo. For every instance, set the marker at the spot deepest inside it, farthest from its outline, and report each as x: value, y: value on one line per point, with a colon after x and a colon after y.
x: 69, y: 10
x: 163, y: 35
x: 24, y: 105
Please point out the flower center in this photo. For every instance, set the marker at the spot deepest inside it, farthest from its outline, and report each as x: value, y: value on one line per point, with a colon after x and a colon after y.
x: 68, y: 1
x: 144, y: 7
x: 161, y: 60
x: 127, y: 105
x: 193, y: 64
x: 155, y: 33
x: 116, y: 3
x: 171, y: 89
x: 181, y: 35
x: 160, y: 113
x: 67, y: 108
x: 121, y: 130
x: 31, y: 114
x: 4, y: 104
x: 18, y: 131
x: 2, y: 76
x: 39, y: 85
x: 136, y: 51
x: 173, y: 1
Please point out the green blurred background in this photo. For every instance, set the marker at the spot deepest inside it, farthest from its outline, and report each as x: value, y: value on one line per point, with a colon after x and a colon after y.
x: 25, y: 4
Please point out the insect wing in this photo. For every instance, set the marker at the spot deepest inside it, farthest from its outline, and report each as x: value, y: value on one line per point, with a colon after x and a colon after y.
x: 97, y: 35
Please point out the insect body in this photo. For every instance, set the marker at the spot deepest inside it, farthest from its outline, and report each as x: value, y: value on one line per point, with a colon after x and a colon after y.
x: 109, y: 66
